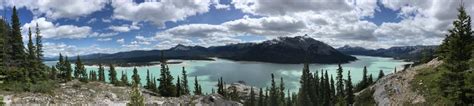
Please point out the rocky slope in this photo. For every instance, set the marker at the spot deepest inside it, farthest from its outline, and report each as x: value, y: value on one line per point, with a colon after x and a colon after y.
x: 395, y: 89
x: 96, y: 93
x: 410, y: 53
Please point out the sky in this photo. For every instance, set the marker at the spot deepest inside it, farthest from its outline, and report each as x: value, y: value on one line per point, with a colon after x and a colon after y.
x: 79, y: 27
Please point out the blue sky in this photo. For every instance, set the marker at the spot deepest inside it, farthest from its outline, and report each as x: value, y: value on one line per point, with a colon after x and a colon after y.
x: 77, y: 27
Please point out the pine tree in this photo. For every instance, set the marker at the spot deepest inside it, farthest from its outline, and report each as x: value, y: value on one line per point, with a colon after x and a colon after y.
x: 349, y: 92
x: 282, y: 92
x: 68, y: 69
x: 17, y: 49
x: 316, y: 88
x: 32, y: 62
x: 166, y: 87
x: 53, y: 74
x: 332, y: 92
x: 365, y: 80
x: 148, y: 80
x: 303, y: 94
x: 252, y: 101
x: 136, y: 77
x: 61, y: 67
x: 371, y: 80
x: 185, y: 83
x: 288, y: 99
x: 124, y: 80
x: 4, y: 32
x: 220, y: 87
x: 39, y: 45
x: 339, y: 84
x: 136, y: 98
x: 261, y: 98
x: 80, y: 71
x: 197, y: 87
x: 94, y: 76
x: 113, y: 75
x: 274, y: 93
x: 178, y: 87
x: 101, y: 73
x: 381, y: 74
x: 456, y: 51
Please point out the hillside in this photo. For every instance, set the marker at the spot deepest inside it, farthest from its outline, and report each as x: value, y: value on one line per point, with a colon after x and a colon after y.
x: 400, y: 88
x: 297, y: 49
x: 409, y: 53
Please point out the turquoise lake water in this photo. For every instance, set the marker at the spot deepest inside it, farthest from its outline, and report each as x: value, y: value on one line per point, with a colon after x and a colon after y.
x: 256, y: 73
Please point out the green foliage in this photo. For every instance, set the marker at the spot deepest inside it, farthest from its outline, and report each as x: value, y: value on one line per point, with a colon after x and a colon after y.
x: 251, y: 101
x: 260, y: 98
x: 274, y: 93
x: 43, y: 86
x: 136, y: 97
x: 220, y: 87
x: 197, y: 87
x: 17, y: 52
x: 349, y: 92
x: 135, y: 77
x: 365, y: 98
x: 124, y: 80
x: 381, y: 74
x: 184, y: 83
x: 166, y: 87
x: 456, y: 51
x: 113, y: 75
x: 101, y: 73
x: 303, y: 94
x: 427, y: 81
x: 339, y: 83
x: 68, y: 70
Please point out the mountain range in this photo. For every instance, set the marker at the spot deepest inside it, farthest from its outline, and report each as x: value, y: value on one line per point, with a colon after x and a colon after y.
x: 409, y: 53
x: 291, y: 50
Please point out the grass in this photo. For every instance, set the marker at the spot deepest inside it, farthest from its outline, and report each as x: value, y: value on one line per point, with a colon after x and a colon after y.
x: 1, y: 101
x: 365, y: 98
x: 46, y: 86
x: 426, y: 82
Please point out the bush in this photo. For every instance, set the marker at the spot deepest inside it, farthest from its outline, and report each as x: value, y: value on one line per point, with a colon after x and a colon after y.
x: 365, y: 98
x: 46, y: 86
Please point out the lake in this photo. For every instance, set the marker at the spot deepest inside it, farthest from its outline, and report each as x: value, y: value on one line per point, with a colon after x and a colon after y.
x: 256, y: 73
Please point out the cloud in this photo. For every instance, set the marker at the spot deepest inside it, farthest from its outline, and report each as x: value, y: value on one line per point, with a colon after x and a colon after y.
x: 56, y: 9
x: 158, y: 12
x: 53, y: 49
x: 104, y: 39
x: 49, y: 30
x: 124, y: 27
x: 121, y: 41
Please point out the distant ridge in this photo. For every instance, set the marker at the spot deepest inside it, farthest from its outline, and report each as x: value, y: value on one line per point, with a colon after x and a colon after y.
x: 292, y: 50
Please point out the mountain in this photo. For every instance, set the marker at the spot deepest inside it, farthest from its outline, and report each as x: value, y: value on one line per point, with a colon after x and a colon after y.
x: 410, y: 53
x: 297, y: 49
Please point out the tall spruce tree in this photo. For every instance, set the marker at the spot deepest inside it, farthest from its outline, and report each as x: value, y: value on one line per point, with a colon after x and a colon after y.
x: 136, y: 97
x: 261, y: 98
x: 339, y: 84
x: 136, y: 77
x: 17, y: 52
x: 39, y: 45
x: 349, y: 92
x: 112, y: 75
x: 4, y: 32
x: 381, y: 74
x: 274, y: 92
x: 68, y: 69
x: 332, y: 92
x: 148, y: 80
x: 178, y: 87
x: 197, y: 87
x: 303, y: 94
x: 54, y: 73
x: 81, y: 69
x: 456, y: 51
x: 124, y: 80
x: 281, y: 91
x: 220, y: 87
x: 166, y: 87
x: 101, y: 71
x: 185, y: 83
x: 252, y: 100
x: 370, y: 80
x: 34, y: 71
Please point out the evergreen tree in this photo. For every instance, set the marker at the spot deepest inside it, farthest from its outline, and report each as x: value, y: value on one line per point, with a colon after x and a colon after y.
x: 288, y: 99
x: 80, y: 71
x: 332, y: 92
x: 61, y: 67
x: 68, y: 69
x: 303, y: 94
x: 260, y: 98
x: 274, y: 93
x: 101, y: 73
x: 166, y: 87
x: 148, y: 80
x: 4, y: 32
x: 220, y: 87
x: 17, y: 52
x: 381, y: 74
x: 136, y: 98
x: 456, y: 51
x: 317, y: 91
x: 39, y: 45
x: 94, y: 76
x: 349, y: 92
x: 371, y: 80
x: 124, y: 80
x: 136, y: 77
x: 178, y: 87
x: 252, y: 101
x: 113, y: 75
x: 54, y: 72
x: 339, y: 84
x: 197, y: 87
x: 32, y: 62
x: 185, y: 83
x: 281, y: 97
